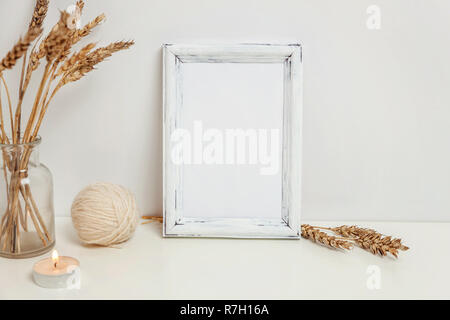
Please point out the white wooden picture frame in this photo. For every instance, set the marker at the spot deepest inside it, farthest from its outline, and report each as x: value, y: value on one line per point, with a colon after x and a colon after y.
x: 285, y: 224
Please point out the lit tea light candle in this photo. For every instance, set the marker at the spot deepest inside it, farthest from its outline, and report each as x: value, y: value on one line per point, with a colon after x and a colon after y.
x: 56, y: 272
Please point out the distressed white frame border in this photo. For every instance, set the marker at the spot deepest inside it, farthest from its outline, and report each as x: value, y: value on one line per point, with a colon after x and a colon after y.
x: 288, y: 226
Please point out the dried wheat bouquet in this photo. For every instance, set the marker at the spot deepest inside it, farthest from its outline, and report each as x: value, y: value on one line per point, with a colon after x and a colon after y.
x: 62, y: 64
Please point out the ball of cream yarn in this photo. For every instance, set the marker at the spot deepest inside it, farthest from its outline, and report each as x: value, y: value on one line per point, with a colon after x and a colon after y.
x: 104, y: 214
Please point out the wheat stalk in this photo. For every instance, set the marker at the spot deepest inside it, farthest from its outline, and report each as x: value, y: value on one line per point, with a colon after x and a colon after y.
x: 33, y: 64
x: 86, y: 30
x: 39, y: 14
x: 37, y: 20
x: 89, y: 61
x: 80, y: 5
x: 371, y: 240
x: 315, y: 235
x: 25, y: 78
x: 79, y: 70
x: 19, y: 49
x: 56, y: 41
x: 74, y: 59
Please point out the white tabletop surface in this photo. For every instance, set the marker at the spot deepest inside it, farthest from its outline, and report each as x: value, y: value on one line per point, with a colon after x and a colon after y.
x: 150, y: 267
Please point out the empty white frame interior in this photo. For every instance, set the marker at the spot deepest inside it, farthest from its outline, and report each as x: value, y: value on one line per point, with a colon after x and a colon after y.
x: 232, y: 140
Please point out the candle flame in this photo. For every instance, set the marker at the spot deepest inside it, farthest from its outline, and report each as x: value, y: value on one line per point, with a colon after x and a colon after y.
x: 55, y: 257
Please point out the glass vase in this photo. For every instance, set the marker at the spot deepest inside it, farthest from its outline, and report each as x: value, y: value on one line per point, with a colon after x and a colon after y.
x: 27, y: 221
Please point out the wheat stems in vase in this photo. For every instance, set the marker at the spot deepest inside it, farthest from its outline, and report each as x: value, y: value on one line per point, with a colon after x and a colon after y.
x: 22, y: 212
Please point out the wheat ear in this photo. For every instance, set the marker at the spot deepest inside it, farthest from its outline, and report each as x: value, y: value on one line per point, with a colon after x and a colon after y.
x: 86, y: 30
x: 19, y: 49
x: 152, y: 219
x: 37, y: 20
x: 80, y: 5
x: 25, y: 78
x: 9, y: 61
x: 372, y: 240
x: 88, y: 63
x: 367, y: 239
x: 315, y: 235
x: 39, y: 13
x: 74, y: 59
x: 56, y: 41
x: 51, y: 48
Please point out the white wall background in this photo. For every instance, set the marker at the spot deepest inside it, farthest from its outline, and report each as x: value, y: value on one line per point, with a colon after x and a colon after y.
x: 377, y: 102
